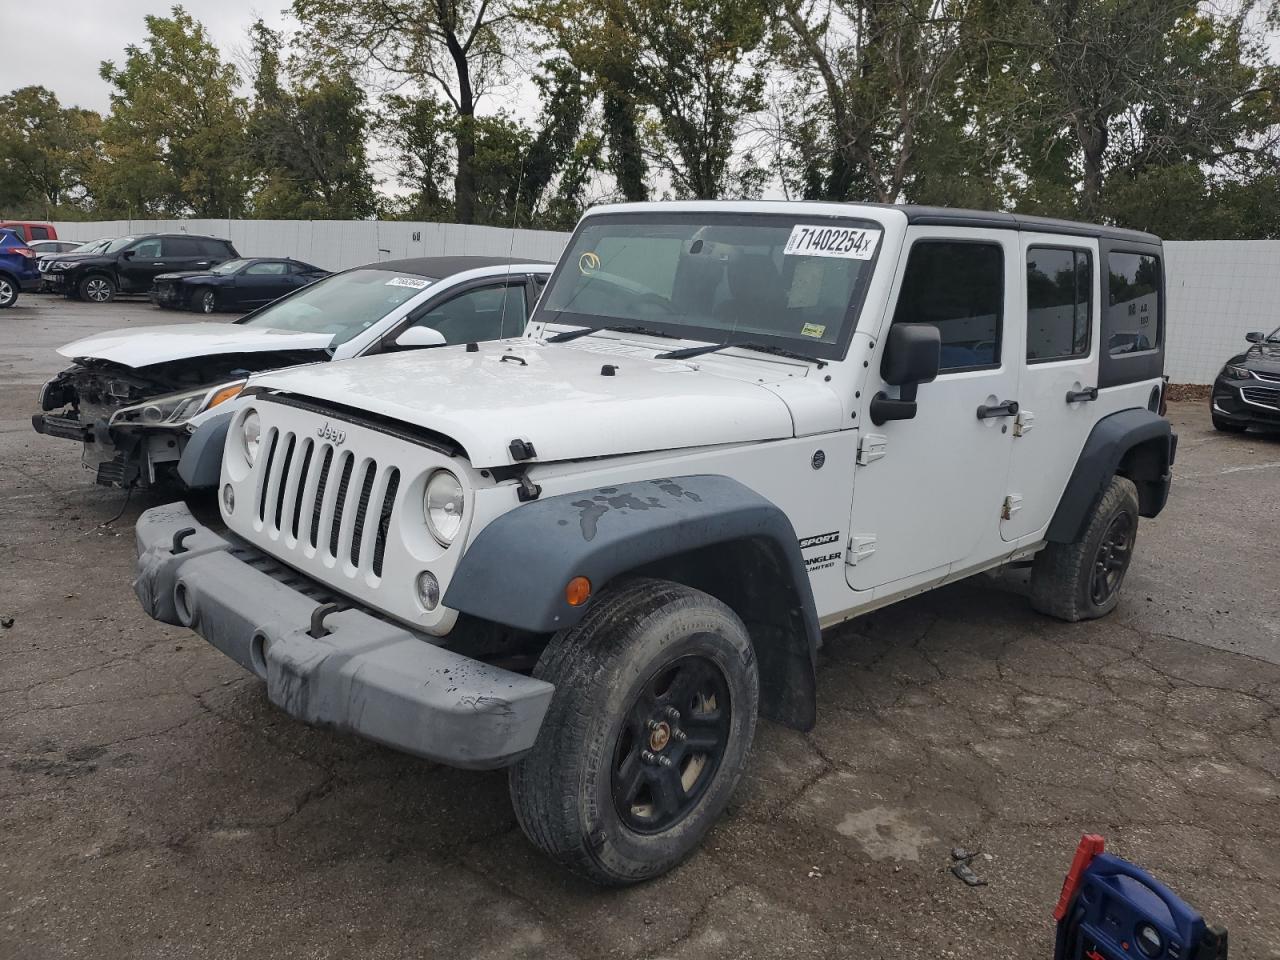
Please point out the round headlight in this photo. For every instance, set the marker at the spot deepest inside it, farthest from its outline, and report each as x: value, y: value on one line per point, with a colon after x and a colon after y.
x: 442, y: 506
x: 251, y: 435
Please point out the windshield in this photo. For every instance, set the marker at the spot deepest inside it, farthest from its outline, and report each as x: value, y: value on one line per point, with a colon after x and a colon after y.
x: 115, y: 246
x: 231, y: 266
x: 1274, y: 335
x: 344, y: 305
x: 777, y: 279
x: 90, y: 247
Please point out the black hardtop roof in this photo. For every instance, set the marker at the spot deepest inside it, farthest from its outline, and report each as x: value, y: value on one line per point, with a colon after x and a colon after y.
x: 437, y: 268
x: 992, y: 220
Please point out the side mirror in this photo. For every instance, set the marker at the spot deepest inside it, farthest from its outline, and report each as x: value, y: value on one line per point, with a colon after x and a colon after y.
x: 1255, y: 337
x: 421, y: 336
x: 912, y: 356
x: 127, y: 255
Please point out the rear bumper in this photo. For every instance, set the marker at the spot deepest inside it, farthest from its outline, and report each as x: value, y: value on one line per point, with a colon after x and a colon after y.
x: 365, y: 675
x: 30, y: 284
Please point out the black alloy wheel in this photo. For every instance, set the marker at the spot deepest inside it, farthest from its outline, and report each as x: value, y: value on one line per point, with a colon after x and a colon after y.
x: 671, y: 744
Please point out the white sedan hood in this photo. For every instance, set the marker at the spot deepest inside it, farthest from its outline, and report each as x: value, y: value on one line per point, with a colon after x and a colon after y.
x: 553, y: 396
x: 143, y: 346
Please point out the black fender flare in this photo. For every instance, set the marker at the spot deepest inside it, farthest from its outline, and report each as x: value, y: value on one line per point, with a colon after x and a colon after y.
x: 200, y: 465
x: 1136, y: 443
x: 708, y: 531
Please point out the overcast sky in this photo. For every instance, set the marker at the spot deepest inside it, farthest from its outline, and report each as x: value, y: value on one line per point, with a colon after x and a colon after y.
x: 60, y: 45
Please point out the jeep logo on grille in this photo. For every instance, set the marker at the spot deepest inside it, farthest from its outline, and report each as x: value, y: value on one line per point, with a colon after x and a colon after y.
x: 328, y: 433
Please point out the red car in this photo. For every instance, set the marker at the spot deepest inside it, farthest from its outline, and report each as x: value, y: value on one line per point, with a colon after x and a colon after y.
x: 28, y: 230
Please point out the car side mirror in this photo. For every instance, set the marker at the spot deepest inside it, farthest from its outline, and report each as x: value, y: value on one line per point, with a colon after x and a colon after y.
x: 127, y: 255
x: 912, y: 356
x: 1255, y: 337
x: 420, y: 336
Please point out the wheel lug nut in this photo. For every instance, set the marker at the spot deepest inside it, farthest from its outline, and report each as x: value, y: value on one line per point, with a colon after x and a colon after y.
x: 664, y: 761
x: 678, y: 735
x: 654, y: 724
x: 672, y: 713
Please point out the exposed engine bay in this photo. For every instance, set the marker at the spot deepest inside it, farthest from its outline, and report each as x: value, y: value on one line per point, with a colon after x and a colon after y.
x: 81, y: 401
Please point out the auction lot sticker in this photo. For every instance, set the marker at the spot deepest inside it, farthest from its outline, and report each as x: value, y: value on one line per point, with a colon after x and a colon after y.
x: 850, y: 243
x: 417, y: 283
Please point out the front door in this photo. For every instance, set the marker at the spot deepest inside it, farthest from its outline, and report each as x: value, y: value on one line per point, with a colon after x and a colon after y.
x: 928, y: 491
x: 145, y: 263
x: 1059, y: 376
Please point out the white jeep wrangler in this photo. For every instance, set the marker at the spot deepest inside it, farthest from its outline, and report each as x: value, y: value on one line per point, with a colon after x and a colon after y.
x: 597, y: 552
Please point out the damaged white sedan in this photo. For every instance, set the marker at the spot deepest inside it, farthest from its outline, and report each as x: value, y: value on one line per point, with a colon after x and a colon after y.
x: 134, y: 397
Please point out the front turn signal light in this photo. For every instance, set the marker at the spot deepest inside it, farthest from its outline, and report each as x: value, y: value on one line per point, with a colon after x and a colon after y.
x: 577, y: 591
x: 226, y: 393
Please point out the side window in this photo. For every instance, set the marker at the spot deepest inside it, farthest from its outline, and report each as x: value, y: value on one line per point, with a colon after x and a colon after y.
x: 147, y: 249
x: 1059, y: 301
x: 275, y: 269
x: 217, y: 249
x: 482, y: 313
x: 958, y: 287
x: 181, y: 247
x: 39, y: 233
x: 1133, y: 309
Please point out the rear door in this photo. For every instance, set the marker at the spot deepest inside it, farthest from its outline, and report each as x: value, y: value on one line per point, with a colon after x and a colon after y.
x: 928, y: 491
x: 1059, y: 379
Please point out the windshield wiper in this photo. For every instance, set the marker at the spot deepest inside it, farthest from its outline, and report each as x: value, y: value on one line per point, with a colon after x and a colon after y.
x: 687, y: 352
x: 565, y: 336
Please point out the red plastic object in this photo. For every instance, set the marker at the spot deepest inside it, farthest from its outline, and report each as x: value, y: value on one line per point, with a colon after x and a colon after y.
x: 1090, y: 846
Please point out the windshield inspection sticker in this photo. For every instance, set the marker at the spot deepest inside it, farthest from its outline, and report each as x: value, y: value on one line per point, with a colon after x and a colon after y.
x: 813, y: 330
x: 416, y: 282
x: 849, y: 243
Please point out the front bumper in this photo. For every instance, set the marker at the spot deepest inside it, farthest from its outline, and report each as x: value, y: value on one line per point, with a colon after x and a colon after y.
x: 365, y: 675
x: 1250, y: 401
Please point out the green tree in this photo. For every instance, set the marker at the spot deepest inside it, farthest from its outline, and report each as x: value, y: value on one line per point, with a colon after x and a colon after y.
x: 46, y: 150
x: 176, y: 133
x: 307, y: 141
x: 455, y: 48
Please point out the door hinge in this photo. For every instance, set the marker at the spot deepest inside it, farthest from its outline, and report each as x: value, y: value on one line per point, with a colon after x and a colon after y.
x: 860, y: 548
x: 1026, y: 420
x: 871, y: 447
x: 1012, y: 504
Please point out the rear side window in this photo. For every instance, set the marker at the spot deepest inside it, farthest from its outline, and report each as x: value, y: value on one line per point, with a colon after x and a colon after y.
x: 215, y: 248
x: 1059, y: 298
x: 1133, y: 309
x: 958, y: 287
x: 180, y: 247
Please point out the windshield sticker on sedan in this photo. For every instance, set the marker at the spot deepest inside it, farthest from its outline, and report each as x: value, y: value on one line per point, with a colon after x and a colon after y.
x: 850, y: 243
x: 416, y: 282
x: 813, y: 330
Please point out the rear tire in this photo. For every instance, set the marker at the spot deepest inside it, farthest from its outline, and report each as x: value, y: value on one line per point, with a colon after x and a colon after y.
x: 646, y: 736
x: 97, y: 289
x: 8, y: 292
x: 1226, y: 426
x: 1082, y: 580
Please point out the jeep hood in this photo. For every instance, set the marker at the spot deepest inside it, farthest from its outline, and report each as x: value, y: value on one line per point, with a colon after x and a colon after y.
x: 144, y: 346
x: 553, y: 396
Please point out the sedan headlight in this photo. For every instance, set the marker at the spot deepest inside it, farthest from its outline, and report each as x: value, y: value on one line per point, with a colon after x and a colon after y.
x: 175, y: 409
x: 251, y: 435
x: 63, y: 265
x: 1236, y: 373
x: 442, y: 506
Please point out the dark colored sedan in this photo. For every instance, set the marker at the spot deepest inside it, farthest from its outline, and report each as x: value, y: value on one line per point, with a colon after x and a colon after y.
x: 1247, y: 391
x: 241, y: 284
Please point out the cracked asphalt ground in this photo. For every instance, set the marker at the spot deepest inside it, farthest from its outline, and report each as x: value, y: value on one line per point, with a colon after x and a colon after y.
x: 154, y: 804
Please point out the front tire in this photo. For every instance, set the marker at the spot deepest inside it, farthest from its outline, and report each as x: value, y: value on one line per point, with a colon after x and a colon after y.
x: 646, y: 736
x: 1082, y: 580
x: 97, y: 289
x: 206, y: 301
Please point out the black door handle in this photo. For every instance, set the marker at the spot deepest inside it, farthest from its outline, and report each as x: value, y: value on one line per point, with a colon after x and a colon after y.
x: 1007, y: 408
x: 1082, y: 396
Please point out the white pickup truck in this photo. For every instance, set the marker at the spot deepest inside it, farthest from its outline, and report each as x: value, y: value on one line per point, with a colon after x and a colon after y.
x: 598, y: 552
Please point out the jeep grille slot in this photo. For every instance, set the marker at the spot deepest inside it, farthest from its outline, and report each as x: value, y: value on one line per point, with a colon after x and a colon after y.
x: 308, y: 448
x: 384, y: 521
x: 265, y: 476
x: 321, y: 481
x: 282, y: 481
x: 362, y: 510
x: 340, y: 502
